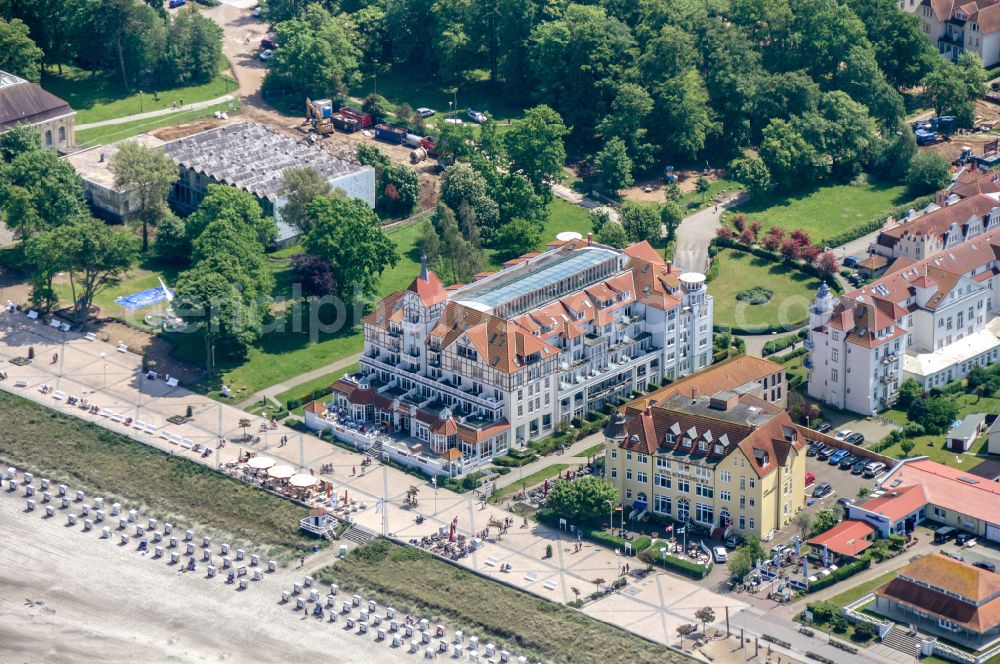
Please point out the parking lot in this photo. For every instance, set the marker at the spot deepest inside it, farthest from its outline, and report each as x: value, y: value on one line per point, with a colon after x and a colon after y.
x: 981, y: 550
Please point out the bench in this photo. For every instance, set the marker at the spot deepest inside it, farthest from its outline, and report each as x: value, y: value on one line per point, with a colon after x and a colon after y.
x: 141, y: 426
x: 33, y: 315
x: 150, y: 428
x: 164, y: 435
x: 122, y: 348
x: 172, y: 382
x: 491, y: 561
x: 58, y: 394
x: 90, y: 336
x: 116, y: 418
x: 550, y: 585
x: 106, y: 413
x: 531, y: 577
x: 186, y: 443
x: 54, y: 323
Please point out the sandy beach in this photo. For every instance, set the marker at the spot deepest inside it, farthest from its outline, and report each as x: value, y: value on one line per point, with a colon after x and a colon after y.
x: 68, y: 596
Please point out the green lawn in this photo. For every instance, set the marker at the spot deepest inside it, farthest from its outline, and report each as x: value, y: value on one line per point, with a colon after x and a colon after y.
x: 692, y: 201
x: 826, y: 211
x: 738, y: 271
x: 932, y: 446
x: 592, y: 450
x: 102, y: 97
x: 300, y: 391
x: 146, y: 275
x: 862, y: 589
x: 531, y: 480
x: 117, y: 132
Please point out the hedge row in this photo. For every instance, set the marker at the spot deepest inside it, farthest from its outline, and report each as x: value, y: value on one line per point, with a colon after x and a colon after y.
x: 788, y: 357
x: 840, y: 574
x: 513, y: 462
x: 292, y: 404
x: 651, y: 555
x: 774, y: 257
x: 596, y: 535
x: 781, y: 343
x: 876, y: 222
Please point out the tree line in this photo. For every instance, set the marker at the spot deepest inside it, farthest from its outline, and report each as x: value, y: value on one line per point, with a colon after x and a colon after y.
x: 137, y: 42
x: 815, y: 84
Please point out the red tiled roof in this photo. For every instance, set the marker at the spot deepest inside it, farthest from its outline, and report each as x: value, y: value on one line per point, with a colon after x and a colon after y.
x: 848, y: 538
x: 469, y: 434
x: 444, y: 427
x: 898, y: 503
x: 430, y: 291
x: 975, y: 497
x: 315, y: 407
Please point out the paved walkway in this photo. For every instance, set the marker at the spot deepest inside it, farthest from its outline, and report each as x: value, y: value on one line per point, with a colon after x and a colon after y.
x: 274, y: 390
x: 652, y: 607
x: 696, y: 232
x: 156, y: 114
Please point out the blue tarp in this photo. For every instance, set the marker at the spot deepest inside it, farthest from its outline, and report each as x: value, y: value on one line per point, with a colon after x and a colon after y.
x: 142, y: 299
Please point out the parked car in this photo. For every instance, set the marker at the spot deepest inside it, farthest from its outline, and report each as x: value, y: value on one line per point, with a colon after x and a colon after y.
x: 733, y: 542
x: 944, y: 534
x: 850, y: 261
x: 982, y: 564
x: 826, y: 452
x: 719, y: 554
x: 845, y: 502
x: 837, y: 456
x: 822, y: 489
x: 476, y: 116
x: 266, y: 54
x: 810, y: 479
x: 962, y: 538
x: 425, y: 112
x: 176, y: 3
x: 256, y: 12
x: 856, y: 439
x: 848, y: 461
x: 842, y: 435
x: 268, y: 43
x: 874, y: 468
x: 780, y: 550
x: 859, y: 466
x: 814, y: 449
x: 824, y: 427
x: 453, y: 121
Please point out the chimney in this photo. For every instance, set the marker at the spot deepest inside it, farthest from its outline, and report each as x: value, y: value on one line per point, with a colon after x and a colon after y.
x: 694, y: 393
x: 649, y: 406
x: 590, y: 237
x: 423, y: 268
x: 670, y: 267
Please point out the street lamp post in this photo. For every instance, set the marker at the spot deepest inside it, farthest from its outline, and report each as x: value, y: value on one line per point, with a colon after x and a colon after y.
x: 104, y: 361
x: 375, y: 75
x: 140, y: 101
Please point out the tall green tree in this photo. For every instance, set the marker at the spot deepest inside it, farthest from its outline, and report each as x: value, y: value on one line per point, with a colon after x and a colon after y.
x: 18, y: 53
x: 460, y: 257
x: 535, y: 148
x: 463, y: 185
x: 129, y: 33
x: 516, y: 238
x: 193, y: 49
x: 96, y: 257
x: 235, y: 205
x: 929, y: 171
x: 585, y: 500
x: 753, y: 174
x: 641, y: 222
x: 317, y: 57
x: 613, y: 235
x: 903, y: 52
x: 671, y: 216
x: 628, y: 119
x: 213, y: 306
x: 348, y: 234
x: 681, y: 105
x: 790, y: 159
x: 19, y: 139
x: 614, y: 164
x: 577, y: 62
x: 39, y: 191
x: 299, y: 186
x: 150, y: 174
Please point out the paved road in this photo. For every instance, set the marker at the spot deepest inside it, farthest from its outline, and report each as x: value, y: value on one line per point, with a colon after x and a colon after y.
x: 696, y: 232
x: 156, y: 114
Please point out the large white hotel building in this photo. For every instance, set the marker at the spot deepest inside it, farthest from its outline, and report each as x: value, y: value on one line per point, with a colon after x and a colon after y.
x: 468, y: 371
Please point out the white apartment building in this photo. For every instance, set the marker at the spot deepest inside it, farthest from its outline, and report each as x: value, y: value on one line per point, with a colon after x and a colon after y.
x: 471, y: 370
x: 955, y: 26
x: 930, y: 320
x: 939, y: 227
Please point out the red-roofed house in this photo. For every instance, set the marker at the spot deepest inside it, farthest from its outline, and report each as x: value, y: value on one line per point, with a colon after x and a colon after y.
x: 920, y: 490
x: 848, y: 539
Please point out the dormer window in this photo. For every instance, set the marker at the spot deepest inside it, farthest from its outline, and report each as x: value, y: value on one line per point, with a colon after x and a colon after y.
x: 702, y: 446
x: 669, y: 438
x: 685, y: 442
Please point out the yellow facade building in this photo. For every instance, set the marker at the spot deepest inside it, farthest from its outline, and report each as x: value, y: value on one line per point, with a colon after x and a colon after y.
x: 731, y: 462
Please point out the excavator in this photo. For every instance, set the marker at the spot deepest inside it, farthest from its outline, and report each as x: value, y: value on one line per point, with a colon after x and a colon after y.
x: 314, y: 116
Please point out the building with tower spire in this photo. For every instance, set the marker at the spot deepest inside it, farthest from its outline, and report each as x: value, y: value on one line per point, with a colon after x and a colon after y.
x: 472, y: 370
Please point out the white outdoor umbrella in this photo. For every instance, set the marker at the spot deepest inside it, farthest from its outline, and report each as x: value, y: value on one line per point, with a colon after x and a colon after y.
x: 261, y: 462
x: 302, y: 481
x: 281, y: 472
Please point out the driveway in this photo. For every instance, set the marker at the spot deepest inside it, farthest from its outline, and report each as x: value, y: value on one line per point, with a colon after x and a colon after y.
x: 696, y: 232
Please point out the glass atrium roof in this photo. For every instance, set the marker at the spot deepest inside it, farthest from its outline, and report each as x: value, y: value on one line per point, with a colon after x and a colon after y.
x: 512, y: 283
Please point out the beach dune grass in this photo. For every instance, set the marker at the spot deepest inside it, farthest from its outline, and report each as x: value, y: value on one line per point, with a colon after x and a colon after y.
x: 102, y: 462
x: 414, y: 581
